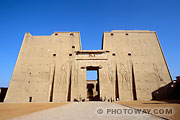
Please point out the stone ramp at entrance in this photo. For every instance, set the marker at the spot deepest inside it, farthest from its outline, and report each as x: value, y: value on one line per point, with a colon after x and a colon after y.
x: 88, y: 111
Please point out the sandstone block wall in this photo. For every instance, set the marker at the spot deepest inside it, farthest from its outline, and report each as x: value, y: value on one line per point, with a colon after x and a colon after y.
x: 130, y: 66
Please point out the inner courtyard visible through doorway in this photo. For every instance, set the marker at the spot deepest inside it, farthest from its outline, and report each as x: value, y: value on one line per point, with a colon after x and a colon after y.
x: 92, y: 77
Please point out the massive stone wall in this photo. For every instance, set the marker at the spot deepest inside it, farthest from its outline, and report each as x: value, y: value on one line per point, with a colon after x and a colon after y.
x: 139, y: 60
x: 130, y: 66
x: 43, y: 61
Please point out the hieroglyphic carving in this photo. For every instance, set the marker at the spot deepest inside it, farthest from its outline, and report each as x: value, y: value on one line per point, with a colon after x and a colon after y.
x: 125, y: 76
x: 64, y: 73
x: 110, y: 73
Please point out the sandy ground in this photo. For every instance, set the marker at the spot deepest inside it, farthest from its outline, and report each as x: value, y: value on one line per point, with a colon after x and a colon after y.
x: 11, y: 110
x: 86, y: 111
x: 174, y: 105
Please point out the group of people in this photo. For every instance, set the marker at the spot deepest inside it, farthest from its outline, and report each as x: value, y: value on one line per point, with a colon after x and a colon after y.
x: 104, y: 99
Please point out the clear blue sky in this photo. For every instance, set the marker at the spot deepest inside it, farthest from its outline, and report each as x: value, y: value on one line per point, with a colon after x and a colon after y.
x: 91, y: 18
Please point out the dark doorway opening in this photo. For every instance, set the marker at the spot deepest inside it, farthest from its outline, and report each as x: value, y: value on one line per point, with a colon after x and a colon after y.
x: 92, y: 76
x: 90, y: 88
x: 3, y: 92
x: 30, y: 99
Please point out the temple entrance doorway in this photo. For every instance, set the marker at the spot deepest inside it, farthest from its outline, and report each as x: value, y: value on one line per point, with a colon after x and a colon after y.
x: 92, y: 79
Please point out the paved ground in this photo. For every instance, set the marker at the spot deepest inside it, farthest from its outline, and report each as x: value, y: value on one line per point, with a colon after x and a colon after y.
x: 88, y: 111
x: 173, y: 105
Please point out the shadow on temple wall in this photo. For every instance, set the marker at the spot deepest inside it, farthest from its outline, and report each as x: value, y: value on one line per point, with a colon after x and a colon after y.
x: 169, y: 92
x: 2, y: 93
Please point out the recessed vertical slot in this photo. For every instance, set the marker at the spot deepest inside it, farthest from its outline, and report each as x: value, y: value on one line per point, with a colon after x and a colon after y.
x: 134, y: 85
x: 69, y: 89
x: 117, y: 86
x: 52, y: 87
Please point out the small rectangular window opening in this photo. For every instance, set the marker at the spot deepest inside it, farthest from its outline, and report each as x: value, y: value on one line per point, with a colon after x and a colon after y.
x: 54, y: 54
x: 113, y: 54
x: 71, y: 34
x: 129, y: 54
x: 91, y: 74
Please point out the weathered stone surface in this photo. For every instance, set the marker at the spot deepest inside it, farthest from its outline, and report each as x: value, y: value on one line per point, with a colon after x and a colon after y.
x: 130, y: 66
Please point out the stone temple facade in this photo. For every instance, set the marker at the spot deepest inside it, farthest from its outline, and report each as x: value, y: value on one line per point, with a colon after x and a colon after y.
x: 130, y: 66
